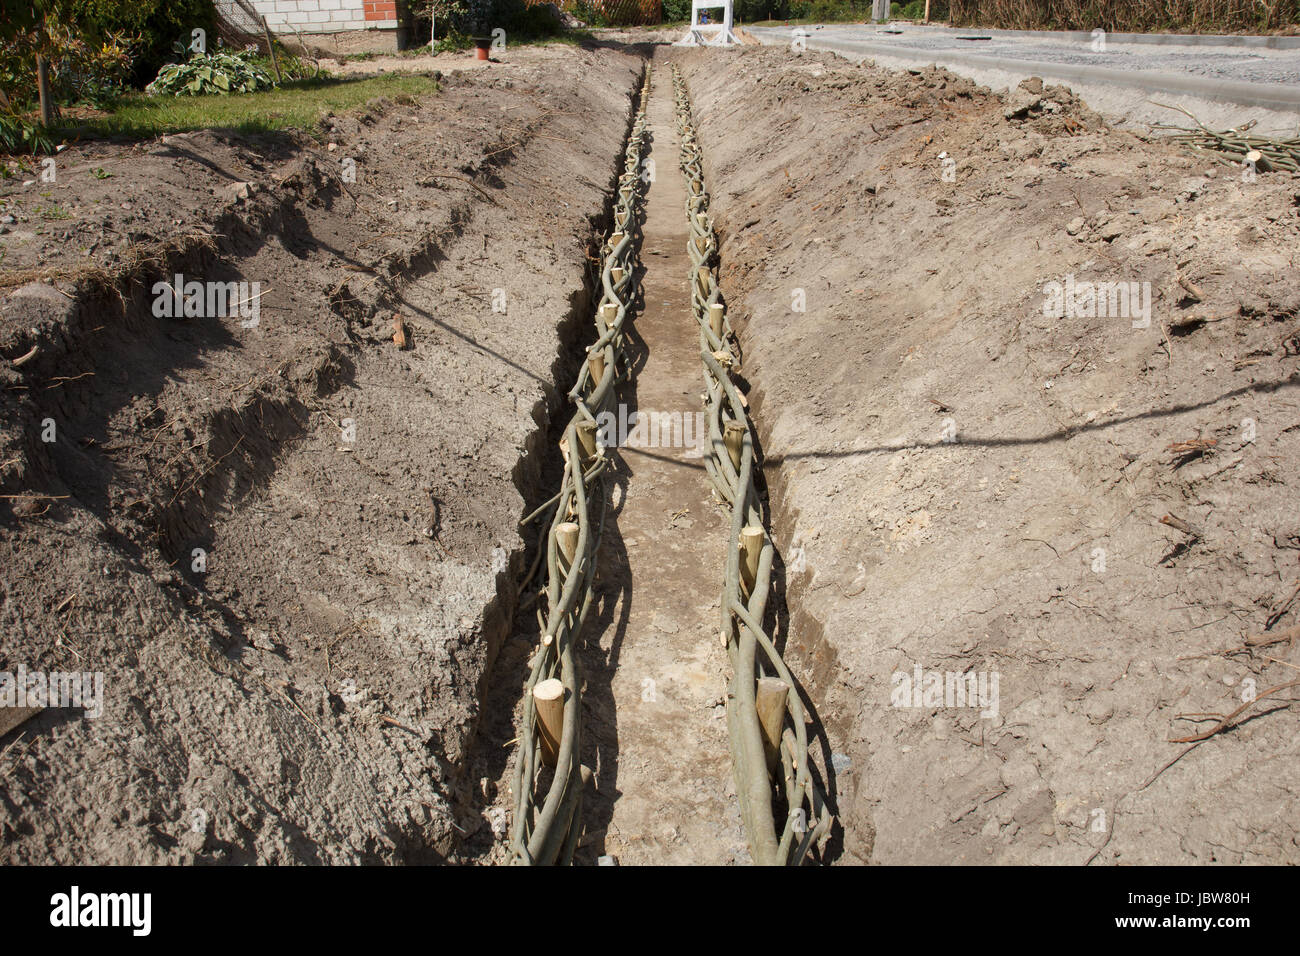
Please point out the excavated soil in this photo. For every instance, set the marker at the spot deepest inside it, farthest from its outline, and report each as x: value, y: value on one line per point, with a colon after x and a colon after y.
x: 967, y: 482
x: 290, y: 547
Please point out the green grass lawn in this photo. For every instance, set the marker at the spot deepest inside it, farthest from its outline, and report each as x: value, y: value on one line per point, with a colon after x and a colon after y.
x: 299, y: 104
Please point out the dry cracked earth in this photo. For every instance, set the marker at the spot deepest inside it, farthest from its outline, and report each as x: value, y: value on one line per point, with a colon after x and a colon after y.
x: 288, y: 538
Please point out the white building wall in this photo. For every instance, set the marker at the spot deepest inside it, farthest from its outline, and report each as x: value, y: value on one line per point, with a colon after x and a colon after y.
x: 318, y: 16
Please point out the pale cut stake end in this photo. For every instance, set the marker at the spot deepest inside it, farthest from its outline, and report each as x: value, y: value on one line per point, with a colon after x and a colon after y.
x: 548, y: 700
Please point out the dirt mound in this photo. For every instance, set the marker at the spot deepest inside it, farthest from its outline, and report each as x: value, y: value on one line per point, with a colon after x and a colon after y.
x: 286, y: 532
x: 1029, y: 391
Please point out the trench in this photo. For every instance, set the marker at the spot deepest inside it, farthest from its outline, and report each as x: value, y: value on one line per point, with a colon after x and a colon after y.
x: 655, y: 677
x: 663, y: 790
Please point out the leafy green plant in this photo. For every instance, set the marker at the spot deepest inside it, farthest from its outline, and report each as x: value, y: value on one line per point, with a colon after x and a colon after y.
x: 20, y: 135
x: 295, y: 67
x: 82, y: 70
x: 218, y: 73
x: 155, y: 24
x: 453, y: 41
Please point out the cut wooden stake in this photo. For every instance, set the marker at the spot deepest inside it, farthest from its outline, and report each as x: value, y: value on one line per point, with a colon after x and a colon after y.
x: 566, y: 536
x: 1260, y: 162
x: 608, y: 313
x: 702, y: 277
x: 587, y: 439
x: 597, y: 362
x: 734, y: 435
x: 616, y: 273
x: 770, y: 697
x: 751, y: 545
x: 716, y: 312
x: 548, y: 699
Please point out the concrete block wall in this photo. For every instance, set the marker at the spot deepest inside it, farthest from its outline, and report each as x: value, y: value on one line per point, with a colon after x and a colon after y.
x: 328, y: 16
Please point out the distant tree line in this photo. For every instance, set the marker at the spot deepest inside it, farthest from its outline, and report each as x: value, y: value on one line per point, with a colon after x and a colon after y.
x: 1131, y: 16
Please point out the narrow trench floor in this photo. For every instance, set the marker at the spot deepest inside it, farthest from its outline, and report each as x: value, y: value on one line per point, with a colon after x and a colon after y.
x: 656, y: 686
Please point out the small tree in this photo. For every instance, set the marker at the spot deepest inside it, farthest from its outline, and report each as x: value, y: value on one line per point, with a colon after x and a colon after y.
x: 30, y: 16
x: 451, y: 13
x: 71, y: 58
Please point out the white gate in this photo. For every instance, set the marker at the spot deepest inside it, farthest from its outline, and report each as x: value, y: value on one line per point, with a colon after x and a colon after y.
x: 722, y: 31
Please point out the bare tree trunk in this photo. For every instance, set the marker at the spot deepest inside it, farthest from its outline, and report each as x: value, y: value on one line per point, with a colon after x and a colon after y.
x: 48, y: 110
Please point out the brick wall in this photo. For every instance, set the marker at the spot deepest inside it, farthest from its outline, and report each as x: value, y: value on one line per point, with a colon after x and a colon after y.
x: 381, y: 10
x: 328, y: 16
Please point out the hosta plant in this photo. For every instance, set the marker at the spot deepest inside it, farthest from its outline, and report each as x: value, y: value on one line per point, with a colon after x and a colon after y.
x: 211, y: 73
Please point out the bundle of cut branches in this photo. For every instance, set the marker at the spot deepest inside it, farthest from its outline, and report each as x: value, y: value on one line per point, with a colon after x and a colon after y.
x: 1234, y: 147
